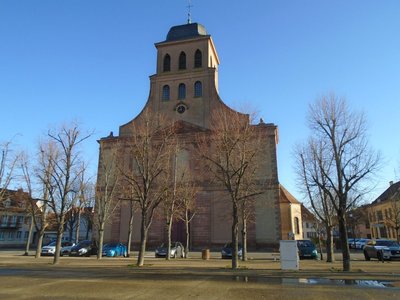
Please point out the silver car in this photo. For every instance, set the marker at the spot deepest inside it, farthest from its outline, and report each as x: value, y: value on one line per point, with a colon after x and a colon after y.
x: 381, y: 249
x: 50, y: 249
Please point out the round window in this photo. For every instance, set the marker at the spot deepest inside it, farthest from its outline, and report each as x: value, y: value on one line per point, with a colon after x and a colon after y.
x: 181, y: 109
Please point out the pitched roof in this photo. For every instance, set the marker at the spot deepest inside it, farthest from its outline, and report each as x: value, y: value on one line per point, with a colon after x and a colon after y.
x: 286, y: 197
x: 306, y: 214
x: 388, y: 193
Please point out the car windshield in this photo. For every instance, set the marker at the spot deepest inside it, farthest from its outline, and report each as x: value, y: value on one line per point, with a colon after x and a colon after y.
x: 305, y: 244
x: 386, y: 243
x: 84, y: 244
x: 110, y: 245
x: 52, y: 244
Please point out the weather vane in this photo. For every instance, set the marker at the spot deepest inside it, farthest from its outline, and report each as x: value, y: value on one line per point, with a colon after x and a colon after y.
x: 189, y: 20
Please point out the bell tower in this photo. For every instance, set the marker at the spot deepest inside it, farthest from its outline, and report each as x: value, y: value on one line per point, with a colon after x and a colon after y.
x: 186, y: 81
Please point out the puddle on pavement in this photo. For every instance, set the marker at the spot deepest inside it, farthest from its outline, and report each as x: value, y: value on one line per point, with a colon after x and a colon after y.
x: 319, y: 281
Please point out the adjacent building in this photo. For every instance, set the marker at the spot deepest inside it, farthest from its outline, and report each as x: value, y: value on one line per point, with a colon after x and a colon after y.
x: 384, y: 213
x: 14, y: 218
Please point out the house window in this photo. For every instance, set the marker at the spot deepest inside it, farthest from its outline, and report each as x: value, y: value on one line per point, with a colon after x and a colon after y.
x: 165, y: 93
x: 296, y: 225
x: 197, y: 59
x: 167, y: 63
x: 182, y: 61
x: 4, y: 220
x: 1, y: 235
x: 11, y: 235
x: 26, y: 234
x: 182, y: 91
x: 19, y: 234
x: 379, y: 215
x: 198, y: 89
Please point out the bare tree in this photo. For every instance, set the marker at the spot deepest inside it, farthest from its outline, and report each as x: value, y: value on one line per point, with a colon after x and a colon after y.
x: 8, y: 163
x: 310, y: 172
x: 230, y: 153
x: 149, y: 154
x: 106, y: 193
x: 347, y: 154
x: 39, y: 175
x: 66, y: 167
x: 187, y: 191
x: 132, y: 210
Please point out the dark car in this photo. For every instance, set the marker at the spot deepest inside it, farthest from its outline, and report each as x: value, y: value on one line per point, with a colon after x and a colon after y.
x: 226, y: 251
x: 177, y: 250
x: 84, y: 248
x: 307, y: 249
x: 114, y: 250
x: 381, y: 249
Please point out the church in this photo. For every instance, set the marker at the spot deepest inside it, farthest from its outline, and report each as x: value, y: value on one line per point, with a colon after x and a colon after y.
x: 185, y: 90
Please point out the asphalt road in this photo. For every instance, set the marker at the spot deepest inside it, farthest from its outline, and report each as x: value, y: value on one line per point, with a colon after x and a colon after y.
x: 259, y: 278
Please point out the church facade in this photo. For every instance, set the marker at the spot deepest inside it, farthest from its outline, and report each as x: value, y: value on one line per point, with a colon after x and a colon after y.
x: 185, y: 91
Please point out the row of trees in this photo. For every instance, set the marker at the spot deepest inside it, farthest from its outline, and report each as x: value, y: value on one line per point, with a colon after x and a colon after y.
x: 56, y: 180
x: 332, y: 165
x: 158, y: 178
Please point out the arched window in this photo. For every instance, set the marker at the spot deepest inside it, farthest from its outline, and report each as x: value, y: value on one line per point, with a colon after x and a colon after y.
x: 182, y: 91
x: 198, y: 89
x: 296, y: 225
x: 182, y: 61
x: 165, y: 93
x: 197, y: 59
x: 167, y: 63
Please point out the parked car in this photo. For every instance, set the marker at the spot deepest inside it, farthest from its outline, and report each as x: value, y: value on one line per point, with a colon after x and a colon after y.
x: 226, y: 251
x: 114, y: 250
x: 177, y: 250
x: 381, y: 249
x: 307, y: 249
x: 84, y: 248
x: 50, y: 249
x: 352, y: 243
x: 360, y: 243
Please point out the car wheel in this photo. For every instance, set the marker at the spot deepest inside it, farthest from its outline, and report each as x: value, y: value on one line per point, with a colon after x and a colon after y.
x: 366, y: 255
x: 379, y: 256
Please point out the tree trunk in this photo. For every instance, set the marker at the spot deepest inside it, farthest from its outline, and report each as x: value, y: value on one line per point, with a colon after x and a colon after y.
x: 235, y: 231
x: 28, y: 242
x: 130, y: 230
x: 244, y: 239
x: 60, y: 231
x: 78, y: 227
x: 343, y: 240
x: 330, y: 251
x: 169, y: 229
x: 143, y: 240
x: 71, y: 229
x: 187, y: 234
x: 40, y: 242
x: 101, y: 239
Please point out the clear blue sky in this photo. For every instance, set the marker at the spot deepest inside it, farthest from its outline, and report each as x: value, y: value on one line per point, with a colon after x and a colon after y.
x: 89, y: 60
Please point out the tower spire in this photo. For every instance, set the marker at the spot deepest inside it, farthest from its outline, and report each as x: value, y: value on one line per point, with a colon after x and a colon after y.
x: 189, y: 19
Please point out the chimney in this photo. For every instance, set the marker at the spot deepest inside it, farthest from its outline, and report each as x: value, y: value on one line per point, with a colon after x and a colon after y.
x: 390, y: 183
